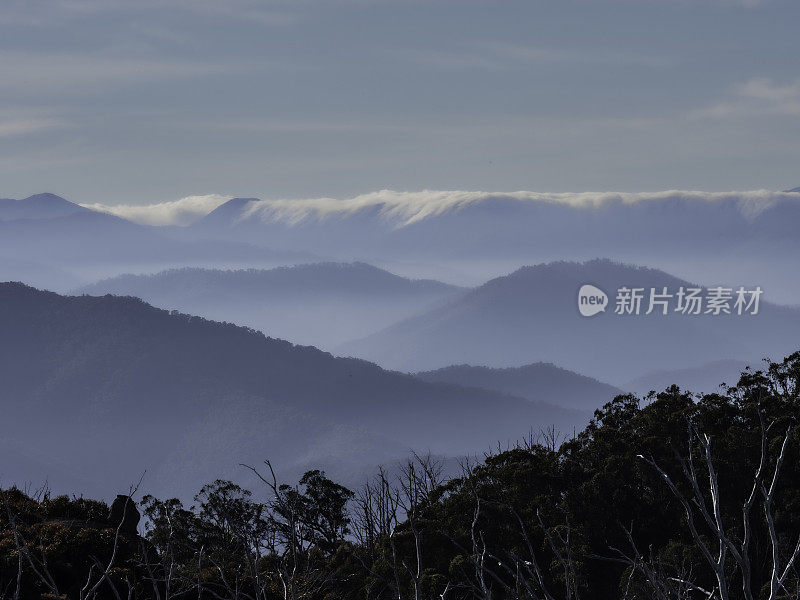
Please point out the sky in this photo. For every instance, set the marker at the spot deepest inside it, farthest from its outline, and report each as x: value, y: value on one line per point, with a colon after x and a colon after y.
x: 148, y: 101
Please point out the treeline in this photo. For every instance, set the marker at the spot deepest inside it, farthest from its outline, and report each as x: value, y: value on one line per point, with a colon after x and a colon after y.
x: 667, y: 497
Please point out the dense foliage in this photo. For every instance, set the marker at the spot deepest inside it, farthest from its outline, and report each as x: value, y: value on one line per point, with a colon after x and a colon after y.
x: 671, y: 496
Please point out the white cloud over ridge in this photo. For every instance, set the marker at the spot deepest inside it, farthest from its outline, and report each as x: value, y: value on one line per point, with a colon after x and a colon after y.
x: 406, y: 208
x: 177, y: 212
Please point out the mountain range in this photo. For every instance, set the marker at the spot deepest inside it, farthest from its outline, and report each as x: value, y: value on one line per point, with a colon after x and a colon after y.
x: 544, y: 382
x: 114, y: 387
x: 97, y: 388
x: 701, y: 379
x: 75, y: 244
x: 323, y: 304
x: 464, y: 238
x: 736, y: 236
x: 532, y: 315
x: 482, y: 225
x: 38, y: 206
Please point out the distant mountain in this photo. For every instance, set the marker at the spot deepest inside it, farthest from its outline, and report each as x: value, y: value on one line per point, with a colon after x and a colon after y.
x: 539, y: 381
x: 484, y: 225
x: 39, y: 206
x: 229, y: 213
x: 703, y: 379
x: 732, y: 236
x: 460, y: 237
x: 322, y: 304
x: 531, y: 315
x: 113, y: 386
x: 86, y: 243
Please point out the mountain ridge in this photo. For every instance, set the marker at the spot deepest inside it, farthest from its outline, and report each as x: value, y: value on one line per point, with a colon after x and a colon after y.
x: 138, y: 387
x: 38, y: 206
x: 531, y: 316
x: 319, y: 304
x: 535, y: 381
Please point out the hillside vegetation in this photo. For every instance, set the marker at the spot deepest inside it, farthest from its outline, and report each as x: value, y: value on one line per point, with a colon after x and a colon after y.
x: 668, y: 497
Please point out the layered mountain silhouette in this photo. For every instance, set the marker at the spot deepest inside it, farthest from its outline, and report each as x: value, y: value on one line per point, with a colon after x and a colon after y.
x: 97, y: 238
x: 531, y: 315
x: 737, y: 238
x: 539, y: 381
x: 38, y: 206
x: 113, y: 387
x: 500, y: 225
x: 75, y: 243
x: 732, y: 236
x: 320, y: 304
x: 702, y: 379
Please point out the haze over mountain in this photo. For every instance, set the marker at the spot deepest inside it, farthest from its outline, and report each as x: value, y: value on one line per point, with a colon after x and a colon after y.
x: 38, y: 275
x: 732, y: 235
x: 321, y: 304
x: 531, y: 315
x: 113, y: 386
x: 702, y: 379
x: 539, y: 381
x: 389, y: 223
x: 74, y: 244
x: 459, y: 237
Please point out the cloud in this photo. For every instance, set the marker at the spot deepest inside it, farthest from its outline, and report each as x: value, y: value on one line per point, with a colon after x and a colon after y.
x: 405, y: 208
x: 501, y: 55
x: 341, y: 126
x: 19, y: 127
x: 177, y: 212
x: 758, y: 96
x: 50, y: 12
x: 589, y: 56
x: 67, y: 73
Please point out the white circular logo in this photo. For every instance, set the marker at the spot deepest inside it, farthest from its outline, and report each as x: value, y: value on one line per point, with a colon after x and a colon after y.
x: 591, y: 300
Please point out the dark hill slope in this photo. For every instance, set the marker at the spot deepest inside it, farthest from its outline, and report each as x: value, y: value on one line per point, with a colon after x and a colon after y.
x: 116, y: 386
x: 539, y: 381
x: 321, y: 304
x: 531, y: 315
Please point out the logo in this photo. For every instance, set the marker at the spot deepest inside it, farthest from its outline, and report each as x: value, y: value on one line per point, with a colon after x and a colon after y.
x: 591, y: 300
x: 714, y: 301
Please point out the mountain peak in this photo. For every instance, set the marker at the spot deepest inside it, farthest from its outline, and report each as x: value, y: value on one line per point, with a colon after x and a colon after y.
x: 39, y: 206
x: 46, y: 197
x: 228, y: 211
x: 232, y: 206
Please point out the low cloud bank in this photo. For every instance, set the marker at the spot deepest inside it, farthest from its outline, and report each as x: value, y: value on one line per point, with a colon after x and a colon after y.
x: 405, y: 208
x: 177, y: 212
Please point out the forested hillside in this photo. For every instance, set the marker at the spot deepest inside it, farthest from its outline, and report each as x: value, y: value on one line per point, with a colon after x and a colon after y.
x: 322, y: 305
x: 537, y: 381
x: 670, y: 497
x: 100, y: 389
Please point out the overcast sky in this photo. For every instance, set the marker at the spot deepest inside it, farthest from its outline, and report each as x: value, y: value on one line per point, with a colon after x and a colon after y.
x: 142, y: 101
